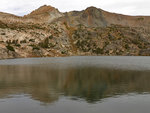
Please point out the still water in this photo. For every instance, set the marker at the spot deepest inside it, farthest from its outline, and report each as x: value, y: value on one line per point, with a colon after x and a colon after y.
x: 75, y: 85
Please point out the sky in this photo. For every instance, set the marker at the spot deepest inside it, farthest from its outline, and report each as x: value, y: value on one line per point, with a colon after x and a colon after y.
x: 127, y: 7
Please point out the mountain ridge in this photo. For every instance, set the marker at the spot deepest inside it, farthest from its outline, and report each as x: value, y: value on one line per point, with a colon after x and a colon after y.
x: 45, y: 10
x: 48, y: 32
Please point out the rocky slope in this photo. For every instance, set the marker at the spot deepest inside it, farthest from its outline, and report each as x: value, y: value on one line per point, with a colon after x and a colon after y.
x: 47, y: 32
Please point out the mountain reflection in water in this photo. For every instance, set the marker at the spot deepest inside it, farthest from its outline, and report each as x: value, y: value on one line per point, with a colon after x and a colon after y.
x: 47, y: 84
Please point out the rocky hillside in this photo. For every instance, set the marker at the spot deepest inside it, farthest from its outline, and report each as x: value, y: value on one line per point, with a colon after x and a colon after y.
x: 46, y: 32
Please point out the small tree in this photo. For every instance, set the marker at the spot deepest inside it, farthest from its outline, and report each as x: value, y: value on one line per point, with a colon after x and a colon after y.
x: 10, y: 48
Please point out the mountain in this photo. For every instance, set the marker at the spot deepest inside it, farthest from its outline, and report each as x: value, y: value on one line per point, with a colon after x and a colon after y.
x: 44, y: 14
x: 48, y: 32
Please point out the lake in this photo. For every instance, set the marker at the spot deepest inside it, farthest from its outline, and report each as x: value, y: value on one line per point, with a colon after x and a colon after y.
x: 82, y: 84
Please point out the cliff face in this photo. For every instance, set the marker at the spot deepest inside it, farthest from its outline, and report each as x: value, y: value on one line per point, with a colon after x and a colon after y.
x: 48, y: 32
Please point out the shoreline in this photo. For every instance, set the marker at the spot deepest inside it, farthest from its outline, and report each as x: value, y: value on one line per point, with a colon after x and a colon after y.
x: 111, y: 62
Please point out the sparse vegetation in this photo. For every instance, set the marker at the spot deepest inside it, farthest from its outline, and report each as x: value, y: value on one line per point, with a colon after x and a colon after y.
x: 140, y: 18
x: 51, y: 37
x: 45, y: 43
x: 34, y: 47
x: 3, y: 33
x: 23, y: 41
x: 10, y: 48
x: 32, y: 40
x: 98, y: 51
x: 127, y: 46
x: 75, y: 36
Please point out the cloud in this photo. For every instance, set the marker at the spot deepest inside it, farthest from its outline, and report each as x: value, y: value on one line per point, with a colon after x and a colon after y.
x: 129, y: 7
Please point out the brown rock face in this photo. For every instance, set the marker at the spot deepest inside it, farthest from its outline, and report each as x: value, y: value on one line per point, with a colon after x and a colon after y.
x: 91, y: 17
x: 44, y: 13
x: 48, y: 32
x: 94, y: 17
x: 41, y: 10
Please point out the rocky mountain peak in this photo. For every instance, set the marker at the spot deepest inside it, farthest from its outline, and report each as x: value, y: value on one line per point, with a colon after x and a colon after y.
x: 42, y: 9
x: 45, y: 14
x: 93, y: 11
x: 93, y: 16
x: 92, y: 8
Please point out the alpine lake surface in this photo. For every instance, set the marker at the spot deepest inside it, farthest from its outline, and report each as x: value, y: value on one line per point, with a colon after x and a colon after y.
x: 83, y: 84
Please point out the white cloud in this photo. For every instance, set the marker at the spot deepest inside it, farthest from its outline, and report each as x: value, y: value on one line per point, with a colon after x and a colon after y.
x: 130, y: 7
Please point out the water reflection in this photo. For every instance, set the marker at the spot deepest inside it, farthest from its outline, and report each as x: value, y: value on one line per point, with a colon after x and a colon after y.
x: 47, y: 84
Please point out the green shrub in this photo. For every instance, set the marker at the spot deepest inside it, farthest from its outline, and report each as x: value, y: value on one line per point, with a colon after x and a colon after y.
x: 51, y: 37
x: 45, y: 43
x: 8, y: 42
x: 14, y: 42
x: 23, y: 41
x: 34, y: 47
x: 135, y: 41
x: 127, y: 46
x: 140, y: 46
x: 32, y: 40
x: 10, y: 48
x: 18, y: 45
x: 98, y: 51
x: 3, y: 33
x: 140, y: 18
x: 63, y: 52
x: 110, y: 36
